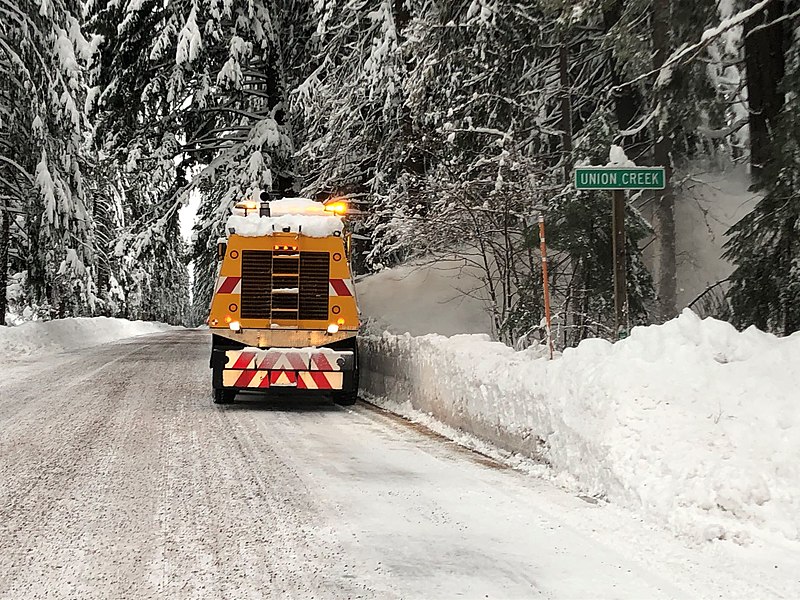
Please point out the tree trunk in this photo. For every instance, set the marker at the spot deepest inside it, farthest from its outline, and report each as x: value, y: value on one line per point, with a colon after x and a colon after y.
x: 764, y: 57
x: 401, y: 16
x: 566, y: 106
x: 664, y: 268
x: 5, y: 234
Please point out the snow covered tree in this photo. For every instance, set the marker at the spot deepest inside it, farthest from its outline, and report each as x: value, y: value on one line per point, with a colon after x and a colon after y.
x: 765, y: 44
x: 44, y: 56
x: 197, y: 105
x: 665, y: 108
x: 451, y: 124
x: 348, y: 108
x: 765, y: 244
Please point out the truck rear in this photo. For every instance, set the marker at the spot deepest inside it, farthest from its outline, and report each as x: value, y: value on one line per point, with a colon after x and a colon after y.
x: 283, y: 314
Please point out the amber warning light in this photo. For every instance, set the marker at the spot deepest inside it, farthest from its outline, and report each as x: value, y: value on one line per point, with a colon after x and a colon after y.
x: 247, y: 206
x: 336, y: 206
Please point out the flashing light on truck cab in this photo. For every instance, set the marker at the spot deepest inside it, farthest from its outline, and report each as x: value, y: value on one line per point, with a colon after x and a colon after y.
x: 247, y: 206
x: 337, y: 206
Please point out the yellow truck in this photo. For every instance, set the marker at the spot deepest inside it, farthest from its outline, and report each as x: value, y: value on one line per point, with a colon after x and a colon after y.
x: 284, y: 315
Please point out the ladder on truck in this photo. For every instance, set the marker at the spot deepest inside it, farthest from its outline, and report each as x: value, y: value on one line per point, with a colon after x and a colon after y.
x: 285, y: 288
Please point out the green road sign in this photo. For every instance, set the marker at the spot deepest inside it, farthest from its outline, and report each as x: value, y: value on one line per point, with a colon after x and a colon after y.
x: 614, y: 178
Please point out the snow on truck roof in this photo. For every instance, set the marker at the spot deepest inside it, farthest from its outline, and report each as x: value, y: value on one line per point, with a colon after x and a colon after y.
x: 295, y: 215
x: 296, y: 206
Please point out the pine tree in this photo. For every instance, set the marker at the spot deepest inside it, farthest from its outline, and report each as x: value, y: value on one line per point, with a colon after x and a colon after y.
x: 455, y: 121
x: 347, y: 109
x: 450, y: 124
x: 198, y: 105
x: 765, y: 244
x: 44, y: 57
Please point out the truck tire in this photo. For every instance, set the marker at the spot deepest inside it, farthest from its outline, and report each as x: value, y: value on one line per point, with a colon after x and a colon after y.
x: 223, y: 396
x: 347, y: 398
x: 349, y: 395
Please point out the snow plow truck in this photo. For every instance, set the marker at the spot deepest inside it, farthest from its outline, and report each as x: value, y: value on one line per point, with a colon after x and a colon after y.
x: 284, y: 315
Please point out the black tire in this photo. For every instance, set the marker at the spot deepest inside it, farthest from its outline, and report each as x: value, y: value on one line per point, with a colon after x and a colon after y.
x: 349, y: 395
x: 347, y: 398
x: 223, y: 396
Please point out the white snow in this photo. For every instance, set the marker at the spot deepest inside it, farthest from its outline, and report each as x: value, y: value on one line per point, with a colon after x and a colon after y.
x: 733, y: 20
x: 296, y: 206
x: 618, y: 158
x: 305, y: 350
x: 253, y: 225
x: 424, y: 297
x: 39, y: 338
x: 296, y: 215
x: 693, y: 425
x: 707, y: 204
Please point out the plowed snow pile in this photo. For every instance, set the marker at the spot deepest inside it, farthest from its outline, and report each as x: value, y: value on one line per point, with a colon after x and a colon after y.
x: 693, y: 424
x: 45, y: 337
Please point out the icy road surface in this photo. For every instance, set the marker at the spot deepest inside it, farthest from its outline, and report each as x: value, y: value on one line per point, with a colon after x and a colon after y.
x: 120, y: 479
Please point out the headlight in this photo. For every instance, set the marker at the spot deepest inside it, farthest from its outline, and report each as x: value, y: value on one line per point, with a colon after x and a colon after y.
x: 333, y: 328
x: 235, y: 326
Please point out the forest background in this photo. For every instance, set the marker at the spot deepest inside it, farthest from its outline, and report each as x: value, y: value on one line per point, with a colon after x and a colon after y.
x: 451, y: 125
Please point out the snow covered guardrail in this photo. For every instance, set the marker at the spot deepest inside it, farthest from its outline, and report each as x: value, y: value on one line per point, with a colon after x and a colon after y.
x: 692, y: 424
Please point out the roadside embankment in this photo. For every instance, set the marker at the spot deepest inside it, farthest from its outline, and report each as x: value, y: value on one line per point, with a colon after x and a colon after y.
x: 61, y: 335
x: 692, y: 424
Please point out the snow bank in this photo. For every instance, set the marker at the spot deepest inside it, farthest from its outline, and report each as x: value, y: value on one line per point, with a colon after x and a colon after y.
x: 254, y: 225
x: 47, y: 337
x: 693, y: 424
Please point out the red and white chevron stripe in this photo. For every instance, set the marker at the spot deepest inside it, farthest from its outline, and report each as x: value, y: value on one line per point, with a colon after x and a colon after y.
x: 245, y: 378
x: 340, y: 287
x: 229, y: 285
x: 319, y: 380
x: 282, y: 379
x: 291, y: 360
x: 302, y: 380
x: 323, y: 361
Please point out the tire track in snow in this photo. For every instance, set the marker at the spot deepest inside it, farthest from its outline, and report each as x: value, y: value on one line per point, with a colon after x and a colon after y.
x: 141, y: 488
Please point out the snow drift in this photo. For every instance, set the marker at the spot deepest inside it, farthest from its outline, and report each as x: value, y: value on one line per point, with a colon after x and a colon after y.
x: 46, y: 337
x: 693, y: 424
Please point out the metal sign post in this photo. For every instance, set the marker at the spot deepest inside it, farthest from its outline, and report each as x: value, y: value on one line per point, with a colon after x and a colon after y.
x: 621, y: 324
x: 546, y: 284
x: 617, y: 180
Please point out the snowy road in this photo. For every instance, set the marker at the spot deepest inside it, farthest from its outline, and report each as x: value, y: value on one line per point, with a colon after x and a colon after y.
x: 120, y: 479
